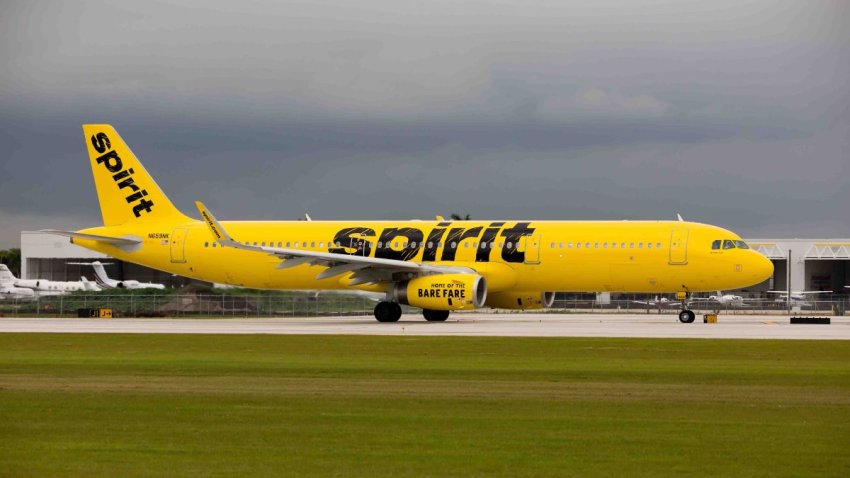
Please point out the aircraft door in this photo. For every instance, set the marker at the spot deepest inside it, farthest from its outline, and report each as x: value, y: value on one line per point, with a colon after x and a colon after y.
x: 531, y: 247
x: 679, y: 246
x: 178, y: 245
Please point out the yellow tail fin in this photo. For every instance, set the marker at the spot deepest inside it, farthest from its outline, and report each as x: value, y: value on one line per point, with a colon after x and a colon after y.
x: 125, y: 190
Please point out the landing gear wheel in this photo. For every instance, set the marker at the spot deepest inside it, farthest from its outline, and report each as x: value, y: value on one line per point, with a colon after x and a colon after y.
x: 686, y: 316
x: 387, y: 312
x: 435, y: 315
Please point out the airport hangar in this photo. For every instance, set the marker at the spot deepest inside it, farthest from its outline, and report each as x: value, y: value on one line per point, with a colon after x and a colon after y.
x: 816, y: 264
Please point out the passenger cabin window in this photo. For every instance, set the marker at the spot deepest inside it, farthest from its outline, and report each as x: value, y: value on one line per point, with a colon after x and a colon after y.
x: 727, y: 244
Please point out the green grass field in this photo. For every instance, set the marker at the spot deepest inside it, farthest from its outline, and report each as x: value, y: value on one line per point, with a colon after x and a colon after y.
x: 143, y: 405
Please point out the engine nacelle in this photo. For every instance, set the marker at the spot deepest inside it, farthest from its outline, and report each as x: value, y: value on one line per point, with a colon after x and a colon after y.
x: 520, y: 300
x: 443, y: 292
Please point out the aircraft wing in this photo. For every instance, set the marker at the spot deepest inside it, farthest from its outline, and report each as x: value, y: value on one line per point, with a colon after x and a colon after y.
x: 364, y: 269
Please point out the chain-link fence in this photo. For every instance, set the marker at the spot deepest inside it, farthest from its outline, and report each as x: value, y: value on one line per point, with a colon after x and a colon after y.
x: 307, y: 305
x: 193, y: 305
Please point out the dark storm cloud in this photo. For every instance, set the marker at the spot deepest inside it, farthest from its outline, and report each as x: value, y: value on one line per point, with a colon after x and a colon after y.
x: 733, y: 113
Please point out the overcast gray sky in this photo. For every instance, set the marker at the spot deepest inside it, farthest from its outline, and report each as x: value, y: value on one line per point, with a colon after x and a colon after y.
x: 735, y: 113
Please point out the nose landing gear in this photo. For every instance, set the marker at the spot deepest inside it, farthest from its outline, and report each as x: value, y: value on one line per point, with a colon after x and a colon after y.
x: 686, y: 316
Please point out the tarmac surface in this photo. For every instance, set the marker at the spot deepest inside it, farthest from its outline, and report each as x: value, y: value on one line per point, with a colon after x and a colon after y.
x: 476, y: 324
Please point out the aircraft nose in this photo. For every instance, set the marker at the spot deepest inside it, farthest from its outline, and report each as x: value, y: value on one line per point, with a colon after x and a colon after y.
x: 762, y: 267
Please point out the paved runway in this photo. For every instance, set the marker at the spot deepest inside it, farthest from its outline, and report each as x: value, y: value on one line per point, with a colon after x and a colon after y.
x: 477, y: 324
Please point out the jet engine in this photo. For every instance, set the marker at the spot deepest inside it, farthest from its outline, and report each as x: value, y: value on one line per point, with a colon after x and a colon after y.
x: 520, y: 300
x: 443, y: 292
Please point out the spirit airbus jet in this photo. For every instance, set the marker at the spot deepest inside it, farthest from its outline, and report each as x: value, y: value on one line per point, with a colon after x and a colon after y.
x: 438, y: 266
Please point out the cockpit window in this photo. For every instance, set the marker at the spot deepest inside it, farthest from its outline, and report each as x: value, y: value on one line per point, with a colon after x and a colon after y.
x: 727, y: 244
x: 716, y: 244
x: 741, y: 245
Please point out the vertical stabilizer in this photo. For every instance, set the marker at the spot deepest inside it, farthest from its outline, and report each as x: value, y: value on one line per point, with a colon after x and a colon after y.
x: 102, y: 279
x: 6, y: 276
x: 125, y: 190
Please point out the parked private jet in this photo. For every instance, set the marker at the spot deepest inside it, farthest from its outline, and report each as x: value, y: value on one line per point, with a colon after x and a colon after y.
x: 798, y: 297
x: 726, y: 300
x: 104, y: 282
x: 44, y: 287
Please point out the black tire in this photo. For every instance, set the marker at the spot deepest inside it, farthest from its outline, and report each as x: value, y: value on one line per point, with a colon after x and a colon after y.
x: 387, y: 312
x: 435, y: 315
x: 687, y: 316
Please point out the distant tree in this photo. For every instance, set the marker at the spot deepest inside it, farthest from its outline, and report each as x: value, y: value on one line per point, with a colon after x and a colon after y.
x: 12, y: 258
x: 457, y: 217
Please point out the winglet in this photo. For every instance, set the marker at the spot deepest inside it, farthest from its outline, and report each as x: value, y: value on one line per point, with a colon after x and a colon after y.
x: 439, y: 218
x: 679, y: 217
x: 215, y: 228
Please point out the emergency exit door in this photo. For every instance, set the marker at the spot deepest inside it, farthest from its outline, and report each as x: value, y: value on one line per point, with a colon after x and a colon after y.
x: 679, y: 246
x: 178, y: 245
x: 531, y: 246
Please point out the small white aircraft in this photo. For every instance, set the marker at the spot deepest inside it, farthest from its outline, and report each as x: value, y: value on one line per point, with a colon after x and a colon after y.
x: 659, y: 302
x: 41, y: 287
x: 798, y: 297
x: 104, y: 282
x: 8, y: 291
x: 726, y: 300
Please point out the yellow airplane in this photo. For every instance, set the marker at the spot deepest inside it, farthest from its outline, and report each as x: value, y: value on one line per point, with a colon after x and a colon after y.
x: 438, y: 265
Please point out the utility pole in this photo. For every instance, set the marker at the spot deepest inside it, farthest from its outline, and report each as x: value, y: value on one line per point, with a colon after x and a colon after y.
x: 788, y: 281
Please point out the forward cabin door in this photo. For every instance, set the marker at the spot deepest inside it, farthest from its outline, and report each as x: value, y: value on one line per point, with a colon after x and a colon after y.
x: 679, y: 246
x: 178, y: 245
x: 531, y: 245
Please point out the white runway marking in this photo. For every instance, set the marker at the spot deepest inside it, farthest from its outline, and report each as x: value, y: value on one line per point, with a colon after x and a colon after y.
x: 503, y: 325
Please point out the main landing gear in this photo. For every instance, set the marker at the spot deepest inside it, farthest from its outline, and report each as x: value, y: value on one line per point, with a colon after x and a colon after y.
x: 387, y: 312
x: 391, y: 312
x: 435, y: 315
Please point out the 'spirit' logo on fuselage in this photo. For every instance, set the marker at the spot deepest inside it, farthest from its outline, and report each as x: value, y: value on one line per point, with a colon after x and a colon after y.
x: 122, y: 177
x: 354, y: 241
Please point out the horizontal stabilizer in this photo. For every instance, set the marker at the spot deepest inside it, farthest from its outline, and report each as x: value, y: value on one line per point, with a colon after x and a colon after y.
x: 118, y: 241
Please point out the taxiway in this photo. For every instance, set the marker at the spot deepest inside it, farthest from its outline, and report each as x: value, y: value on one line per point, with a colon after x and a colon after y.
x: 477, y: 324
